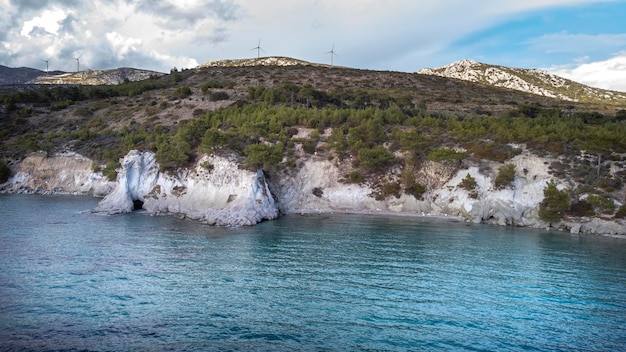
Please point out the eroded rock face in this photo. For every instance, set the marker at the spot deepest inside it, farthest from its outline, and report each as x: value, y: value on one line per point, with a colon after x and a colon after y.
x: 317, y: 187
x: 215, y: 191
x: 69, y: 173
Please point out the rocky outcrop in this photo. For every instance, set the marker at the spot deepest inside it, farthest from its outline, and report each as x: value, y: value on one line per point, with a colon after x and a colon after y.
x: 532, y: 81
x: 67, y: 173
x: 97, y: 77
x: 317, y: 187
x: 215, y: 191
x: 261, y: 61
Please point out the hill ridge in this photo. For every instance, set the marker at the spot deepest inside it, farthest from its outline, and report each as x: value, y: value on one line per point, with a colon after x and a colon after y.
x: 534, y: 81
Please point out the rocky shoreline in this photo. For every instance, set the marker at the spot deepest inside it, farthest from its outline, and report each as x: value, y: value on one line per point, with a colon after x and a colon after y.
x: 217, y: 192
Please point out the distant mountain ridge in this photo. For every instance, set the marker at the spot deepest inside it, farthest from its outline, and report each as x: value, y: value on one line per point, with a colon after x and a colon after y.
x: 26, y: 75
x: 532, y: 81
x: 21, y: 75
x: 262, y: 61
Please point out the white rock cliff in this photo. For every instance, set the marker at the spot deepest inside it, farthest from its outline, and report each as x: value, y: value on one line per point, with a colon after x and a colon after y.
x: 215, y: 191
x: 65, y: 173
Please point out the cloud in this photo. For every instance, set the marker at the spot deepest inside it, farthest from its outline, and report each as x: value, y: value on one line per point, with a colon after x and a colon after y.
x: 47, y: 23
x: 607, y: 74
x: 402, y: 35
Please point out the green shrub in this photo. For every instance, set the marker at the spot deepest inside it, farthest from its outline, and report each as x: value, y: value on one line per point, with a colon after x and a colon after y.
x: 5, y: 172
x: 60, y: 105
x: 554, y: 204
x: 170, y: 152
x: 182, y: 92
x: 621, y: 212
x: 375, y: 159
x: 391, y: 189
x: 219, y: 95
x: 212, y: 140
x: 601, y: 204
x: 264, y: 155
x: 213, y: 84
x: 506, y: 176
x: 410, y: 184
x: 355, y: 177
x: 309, y: 146
x: 110, y: 170
x: 468, y: 183
x: 446, y: 155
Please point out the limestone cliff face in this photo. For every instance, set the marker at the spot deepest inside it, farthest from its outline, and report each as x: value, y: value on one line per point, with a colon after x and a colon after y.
x: 215, y: 191
x: 62, y: 173
x: 317, y: 187
x: 516, y: 204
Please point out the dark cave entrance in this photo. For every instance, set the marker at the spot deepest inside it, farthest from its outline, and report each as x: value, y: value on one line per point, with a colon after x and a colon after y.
x: 137, y: 204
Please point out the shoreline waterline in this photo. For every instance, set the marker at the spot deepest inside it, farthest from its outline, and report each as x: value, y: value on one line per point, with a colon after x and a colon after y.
x: 338, y: 211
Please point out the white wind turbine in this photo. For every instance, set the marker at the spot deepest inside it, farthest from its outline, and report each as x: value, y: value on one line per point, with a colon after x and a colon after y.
x: 258, y: 49
x: 46, y: 61
x: 78, y: 62
x: 332, y: 55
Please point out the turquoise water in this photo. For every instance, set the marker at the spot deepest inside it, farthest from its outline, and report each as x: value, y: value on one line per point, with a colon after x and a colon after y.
x: 71, y: 280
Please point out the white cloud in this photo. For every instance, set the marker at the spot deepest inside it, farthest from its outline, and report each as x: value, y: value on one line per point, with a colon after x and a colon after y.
x: 122, y: 45
x: 48, y: 21
x: 402, y: 35
x: 607, y: 74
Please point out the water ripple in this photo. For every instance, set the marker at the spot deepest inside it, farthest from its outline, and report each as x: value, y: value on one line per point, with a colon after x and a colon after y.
x: 307, y: 283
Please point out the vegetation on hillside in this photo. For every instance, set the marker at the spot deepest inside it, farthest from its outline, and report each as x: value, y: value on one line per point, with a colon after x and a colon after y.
x: 386, y: 130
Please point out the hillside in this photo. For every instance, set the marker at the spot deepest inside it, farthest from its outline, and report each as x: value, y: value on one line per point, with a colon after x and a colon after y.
x: 526, y: 80
x: 262, y: 61
x: 96, y: 77
x: 21, y: 75
x: 370, y: 139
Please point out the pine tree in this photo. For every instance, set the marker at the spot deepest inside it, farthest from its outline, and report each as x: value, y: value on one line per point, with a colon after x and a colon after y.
x: 554, y: 204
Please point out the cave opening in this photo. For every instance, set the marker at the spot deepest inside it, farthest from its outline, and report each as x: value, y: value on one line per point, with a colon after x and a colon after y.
x: 137, y: 204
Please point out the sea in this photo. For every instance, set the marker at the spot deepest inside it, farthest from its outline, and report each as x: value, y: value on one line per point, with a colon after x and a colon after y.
x: 72, y: 280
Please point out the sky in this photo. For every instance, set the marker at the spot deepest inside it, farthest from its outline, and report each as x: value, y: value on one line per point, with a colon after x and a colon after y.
x: 583, y: 40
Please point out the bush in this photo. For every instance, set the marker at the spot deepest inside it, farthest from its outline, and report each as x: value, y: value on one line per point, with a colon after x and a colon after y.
x: 264, y: 155
x: 446, y: 155
x: 375, y: 159
x: 355, y: 177
x: 110, y: 170
x: 468, y: 183
x: 220, y: 95
x: 170, y: 152
x: 621, y: 212
x: 506, y: 176
x: 411, y: 186
x: 601, y: 204
x: 213, y: 84
x: 5, y: 172
x: 554, y: 204
x: 182, y: 92
x: 309, y: 146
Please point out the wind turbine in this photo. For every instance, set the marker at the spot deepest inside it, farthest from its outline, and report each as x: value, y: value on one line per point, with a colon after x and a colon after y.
x: 258, y: 49
x: 46, y: 61
x: 78, y: 62
x: 332, y: 55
